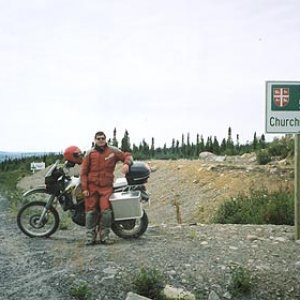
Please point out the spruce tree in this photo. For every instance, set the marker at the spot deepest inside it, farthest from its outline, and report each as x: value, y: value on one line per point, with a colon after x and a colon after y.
x: 223, y: 146
x: 173, y: 149
x: 254, y: 144
x: 216, y: 146
x: 125, y: 143
x: 115, y: 141
x: 152, y: 150
x: 237, y: 143
x: 145, y: 149
x: 229, y: 143
x: 188, y: 146
x: 262, y: 142
x: 177, y: 148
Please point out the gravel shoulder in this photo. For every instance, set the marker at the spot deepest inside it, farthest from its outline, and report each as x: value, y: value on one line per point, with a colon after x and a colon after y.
x: 26, y: 271
x: 196, y: 258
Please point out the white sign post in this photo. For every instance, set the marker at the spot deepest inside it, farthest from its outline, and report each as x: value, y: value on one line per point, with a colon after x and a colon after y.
x: 297, y: 187
x: 283, y: 116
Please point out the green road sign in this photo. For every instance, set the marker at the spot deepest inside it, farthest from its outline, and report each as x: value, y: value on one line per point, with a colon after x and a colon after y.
x: 282, y: 107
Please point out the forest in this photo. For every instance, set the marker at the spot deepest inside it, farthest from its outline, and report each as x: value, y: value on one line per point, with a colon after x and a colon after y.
x: 184, y: 148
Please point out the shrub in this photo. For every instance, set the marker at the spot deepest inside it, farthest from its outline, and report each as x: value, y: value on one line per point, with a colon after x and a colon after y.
x: 149, y: 283
x: 279, y: 209
x: 80, y: 291
x: 282, y: 147
x: 259, y: 207
x: 263, y: 157
x: 240, y: 280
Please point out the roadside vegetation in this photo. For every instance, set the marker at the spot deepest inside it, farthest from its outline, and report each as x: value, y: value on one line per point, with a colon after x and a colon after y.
x: 150, y: 282
x: 80, y: 290
x: 259, y: 207
x: 13, y: 170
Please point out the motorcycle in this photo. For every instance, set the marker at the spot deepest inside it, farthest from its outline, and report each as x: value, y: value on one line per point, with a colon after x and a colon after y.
x: 39, y: 216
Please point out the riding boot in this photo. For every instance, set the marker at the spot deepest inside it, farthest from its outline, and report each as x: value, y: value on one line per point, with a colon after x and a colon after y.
x: 91, y: 218
x: 106, y: 220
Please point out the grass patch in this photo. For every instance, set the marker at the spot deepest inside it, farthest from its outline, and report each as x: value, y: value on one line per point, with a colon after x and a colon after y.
x: 240, y: 280
x: 8, y: 183
x: 80, y: 291
x: 259, y: 207
x: 149, y: 282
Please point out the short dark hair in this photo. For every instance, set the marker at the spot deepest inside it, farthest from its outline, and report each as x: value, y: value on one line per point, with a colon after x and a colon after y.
x: 99, y: 133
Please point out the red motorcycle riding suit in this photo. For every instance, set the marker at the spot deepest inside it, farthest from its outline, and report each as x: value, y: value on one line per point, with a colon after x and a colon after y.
x: 97, y: 176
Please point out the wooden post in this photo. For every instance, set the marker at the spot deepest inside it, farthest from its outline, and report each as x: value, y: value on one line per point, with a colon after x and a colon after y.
x: 297, y: 187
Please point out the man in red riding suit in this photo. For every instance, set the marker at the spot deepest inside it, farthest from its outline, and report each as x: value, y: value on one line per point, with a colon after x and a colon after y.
x: 97, y: 177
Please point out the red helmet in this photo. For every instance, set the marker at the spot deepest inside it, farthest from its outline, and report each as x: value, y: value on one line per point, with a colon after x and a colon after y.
x: 73, y: 154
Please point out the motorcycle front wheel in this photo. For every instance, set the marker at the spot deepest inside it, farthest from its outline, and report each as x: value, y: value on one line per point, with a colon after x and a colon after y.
x: 130, y: 229
x: 30, y: 222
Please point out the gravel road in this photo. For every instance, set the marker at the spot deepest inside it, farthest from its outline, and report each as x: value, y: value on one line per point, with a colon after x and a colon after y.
x: 27, y: 271
x: 196, y: 258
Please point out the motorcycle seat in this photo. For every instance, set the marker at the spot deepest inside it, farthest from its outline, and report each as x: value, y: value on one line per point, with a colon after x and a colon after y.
x: 120, y: 182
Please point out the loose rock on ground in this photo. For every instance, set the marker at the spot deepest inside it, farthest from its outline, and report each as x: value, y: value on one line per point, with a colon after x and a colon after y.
x: 194, y: 258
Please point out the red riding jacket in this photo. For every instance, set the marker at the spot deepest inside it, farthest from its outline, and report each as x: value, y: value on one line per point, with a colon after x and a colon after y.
x: 98, y: 167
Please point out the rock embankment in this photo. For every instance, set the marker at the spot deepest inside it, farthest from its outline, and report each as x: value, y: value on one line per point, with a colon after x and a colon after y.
x: 196, y: 188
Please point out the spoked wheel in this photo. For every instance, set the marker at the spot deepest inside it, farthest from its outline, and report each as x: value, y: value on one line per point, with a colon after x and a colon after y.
x: 130, y: 229
x: 32, y: 224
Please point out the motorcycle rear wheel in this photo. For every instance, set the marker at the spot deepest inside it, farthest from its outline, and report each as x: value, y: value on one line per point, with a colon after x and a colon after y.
x: 28, y: 220
x: 130, y: 229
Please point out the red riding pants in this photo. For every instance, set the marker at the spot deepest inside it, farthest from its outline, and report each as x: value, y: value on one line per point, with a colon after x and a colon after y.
x: 98, y: 198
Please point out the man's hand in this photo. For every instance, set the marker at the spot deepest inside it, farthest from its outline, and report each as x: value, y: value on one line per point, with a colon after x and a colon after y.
x: 125, y: 169
x: 86, y: 193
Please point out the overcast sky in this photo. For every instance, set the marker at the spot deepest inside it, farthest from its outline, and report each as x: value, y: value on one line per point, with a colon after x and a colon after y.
x: 158, y: 68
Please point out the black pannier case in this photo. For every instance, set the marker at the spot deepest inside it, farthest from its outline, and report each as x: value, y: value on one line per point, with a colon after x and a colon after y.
x: 139, y: 173
x: 53, y: 187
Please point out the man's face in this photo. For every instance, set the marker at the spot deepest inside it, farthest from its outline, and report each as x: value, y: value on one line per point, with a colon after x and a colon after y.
x: 100, y: 140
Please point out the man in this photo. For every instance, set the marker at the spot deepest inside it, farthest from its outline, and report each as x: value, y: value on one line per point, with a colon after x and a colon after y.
x: 97, y: 176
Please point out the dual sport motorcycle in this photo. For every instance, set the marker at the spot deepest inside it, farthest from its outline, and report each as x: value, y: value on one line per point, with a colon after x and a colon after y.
x: 39, y: 217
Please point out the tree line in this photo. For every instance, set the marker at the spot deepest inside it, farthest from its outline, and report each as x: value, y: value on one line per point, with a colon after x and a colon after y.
x: 185, y: 148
